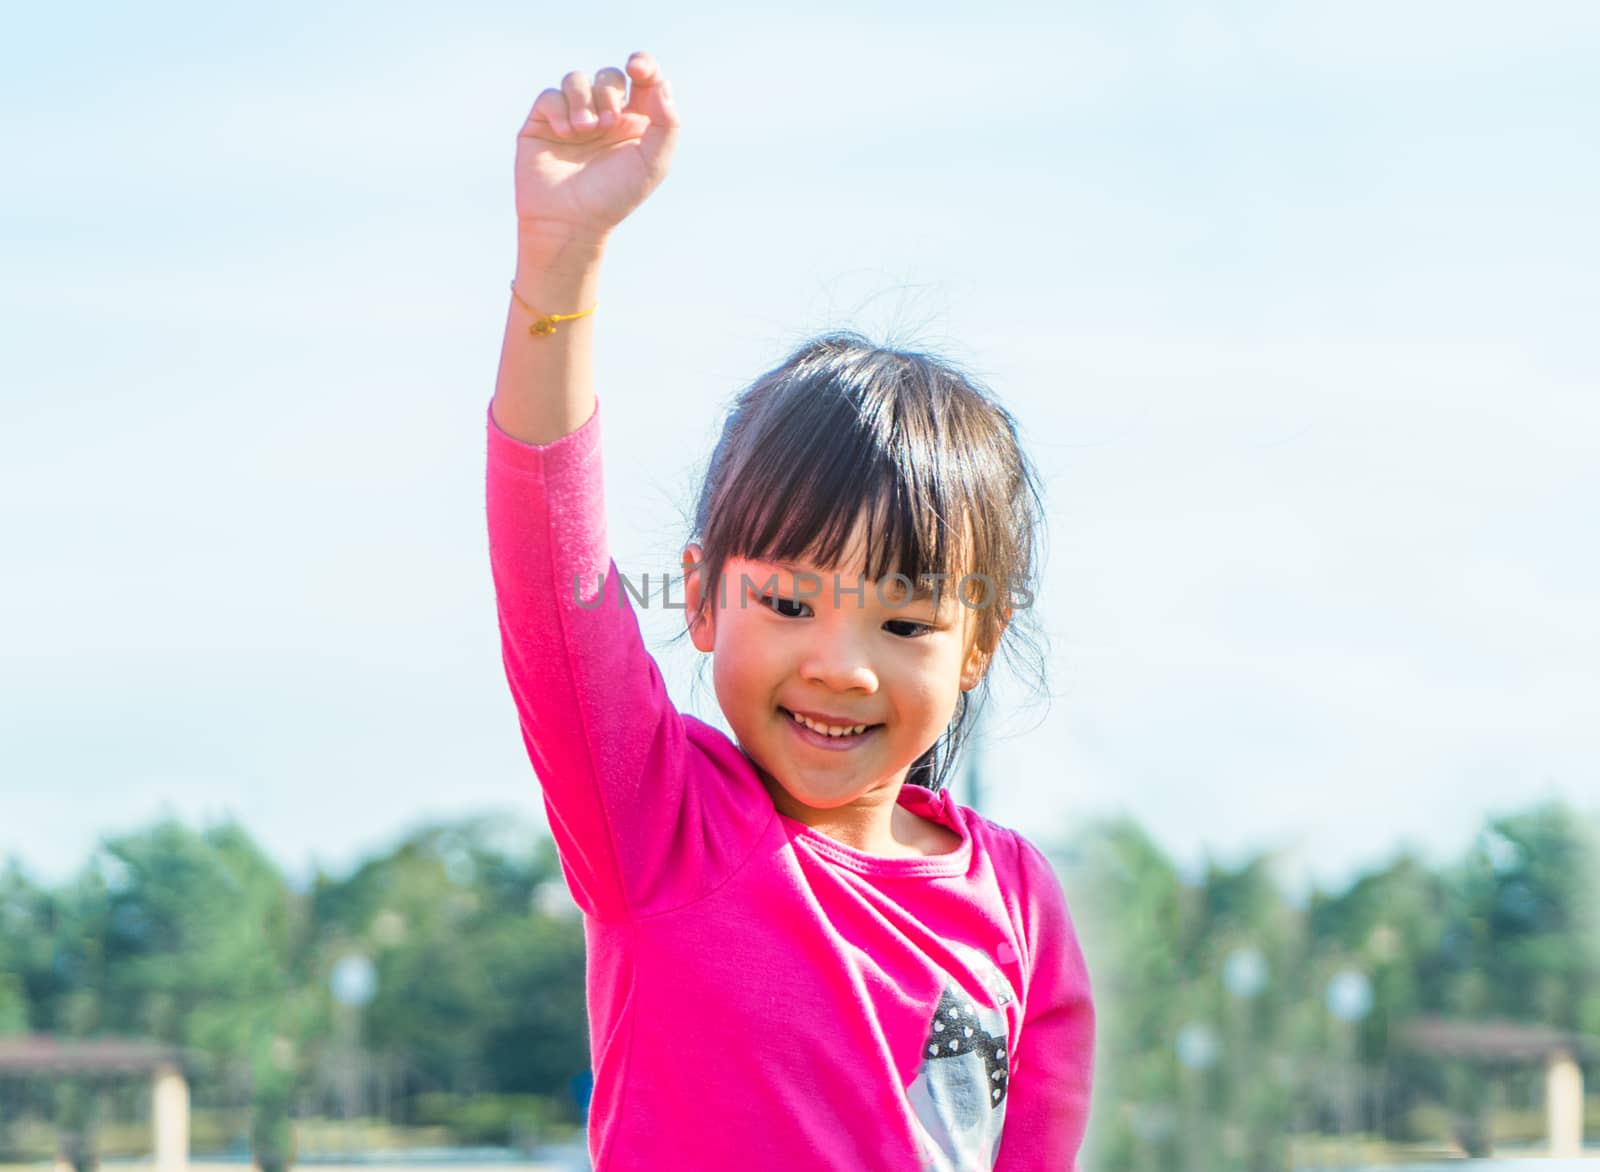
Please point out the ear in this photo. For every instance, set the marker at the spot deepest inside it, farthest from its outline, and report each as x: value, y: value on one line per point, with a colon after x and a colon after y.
x: 695, y: 613
x: 972, y: 670
x: 978, y: 658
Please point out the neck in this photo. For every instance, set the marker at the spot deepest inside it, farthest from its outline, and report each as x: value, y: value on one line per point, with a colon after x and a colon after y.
x: 875, y: 823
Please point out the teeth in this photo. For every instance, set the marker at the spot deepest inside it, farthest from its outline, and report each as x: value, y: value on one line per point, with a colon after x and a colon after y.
x: 828, y: 729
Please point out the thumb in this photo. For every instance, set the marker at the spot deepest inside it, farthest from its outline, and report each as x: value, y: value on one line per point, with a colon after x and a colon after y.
x: 665, y: 105
x: 651, y: 93
x: 661, y: 135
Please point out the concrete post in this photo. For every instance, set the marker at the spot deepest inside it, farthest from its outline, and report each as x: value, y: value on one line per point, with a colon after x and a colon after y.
x: 1563, y: 1099
x: 170, y: 1112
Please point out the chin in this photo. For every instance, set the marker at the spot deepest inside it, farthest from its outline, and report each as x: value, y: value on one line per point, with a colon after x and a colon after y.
x: 806, y: 796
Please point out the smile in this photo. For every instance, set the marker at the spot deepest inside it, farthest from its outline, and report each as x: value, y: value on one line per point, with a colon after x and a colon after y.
x: 829, y: 736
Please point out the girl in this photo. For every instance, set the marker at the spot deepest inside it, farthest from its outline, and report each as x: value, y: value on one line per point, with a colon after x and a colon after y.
x: 801, y: 952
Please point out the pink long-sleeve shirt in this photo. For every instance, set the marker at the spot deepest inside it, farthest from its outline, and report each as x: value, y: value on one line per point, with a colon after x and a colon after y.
x: 761, y: 996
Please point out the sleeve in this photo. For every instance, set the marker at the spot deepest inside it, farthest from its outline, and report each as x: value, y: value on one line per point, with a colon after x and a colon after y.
x: 649, y: 808
x: 1047, y: 1095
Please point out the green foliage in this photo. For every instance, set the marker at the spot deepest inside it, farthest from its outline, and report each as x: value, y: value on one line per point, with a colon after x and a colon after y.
x: 195, y: 939
x: 478, y: 1024
x: 13, y: 1005
x: 78, y: 1122
x: 477, y: 987
x: 501, y: 1120
x: 271, y: 1132
x: 1512, y: 932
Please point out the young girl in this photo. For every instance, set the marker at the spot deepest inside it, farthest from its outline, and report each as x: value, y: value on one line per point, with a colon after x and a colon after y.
x: 802, y: 953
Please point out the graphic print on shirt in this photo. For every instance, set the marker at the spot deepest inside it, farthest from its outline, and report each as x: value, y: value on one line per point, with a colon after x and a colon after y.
x: 959, y: 1095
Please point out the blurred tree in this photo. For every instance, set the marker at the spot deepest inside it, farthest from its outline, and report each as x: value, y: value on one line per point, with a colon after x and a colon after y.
x: 271, y: 1106
x: 1531, y: 881
x: 13, y: 1004
x: 193, y: 938
x: 23, y: 946
x: 197, y: 942
x: 78, y: 1123
x: 1125, y: 898
x: 477, y: 985
x: 1392, y: 925
x: 1523, y: 942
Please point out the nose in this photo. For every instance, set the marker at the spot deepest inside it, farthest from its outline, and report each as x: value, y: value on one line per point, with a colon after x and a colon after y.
x: 836, y: 657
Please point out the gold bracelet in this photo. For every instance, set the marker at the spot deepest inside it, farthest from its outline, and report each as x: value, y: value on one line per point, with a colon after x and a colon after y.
x: 545, y: 323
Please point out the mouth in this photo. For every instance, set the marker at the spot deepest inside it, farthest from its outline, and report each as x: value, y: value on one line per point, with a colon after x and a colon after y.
x: 831, y: 733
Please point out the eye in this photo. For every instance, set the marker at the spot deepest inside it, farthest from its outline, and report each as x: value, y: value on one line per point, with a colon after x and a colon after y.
x: 776, y: 604
x: 917, y: 629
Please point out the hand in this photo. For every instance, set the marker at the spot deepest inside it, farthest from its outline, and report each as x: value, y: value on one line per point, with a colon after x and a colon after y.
x: 586, y: 158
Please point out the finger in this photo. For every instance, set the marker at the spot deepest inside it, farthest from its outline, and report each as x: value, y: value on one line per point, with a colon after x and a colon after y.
x: 610, y: 91
x: 580, y: 103
x: 651, y: 96
x: 550, y: 108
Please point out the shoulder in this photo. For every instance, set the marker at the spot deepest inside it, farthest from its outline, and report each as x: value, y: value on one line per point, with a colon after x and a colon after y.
x: 1039, y: 903
x: 1044, y: 898
x: 1014, y: 858
x: 1028, y: 881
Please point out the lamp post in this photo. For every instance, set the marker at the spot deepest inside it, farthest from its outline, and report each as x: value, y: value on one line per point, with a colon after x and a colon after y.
x: 1244, y: 975
x: 1349, y: 1000
x: 354, y: 984
x: 1197, y: 1048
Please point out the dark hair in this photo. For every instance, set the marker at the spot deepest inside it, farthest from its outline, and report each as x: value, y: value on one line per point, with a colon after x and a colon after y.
x: 844, y: 430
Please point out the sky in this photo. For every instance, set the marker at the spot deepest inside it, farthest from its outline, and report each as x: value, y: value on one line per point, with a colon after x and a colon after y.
x: 1293, y: 304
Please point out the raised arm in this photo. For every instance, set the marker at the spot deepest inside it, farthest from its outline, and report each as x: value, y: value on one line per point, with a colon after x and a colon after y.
x: 588, y: 155
x: 649, y: 808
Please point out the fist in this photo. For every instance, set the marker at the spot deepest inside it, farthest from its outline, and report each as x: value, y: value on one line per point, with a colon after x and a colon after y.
x: 592, y: 150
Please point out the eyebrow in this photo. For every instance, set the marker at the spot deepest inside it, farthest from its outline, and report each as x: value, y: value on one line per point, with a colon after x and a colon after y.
x: 921, y: 589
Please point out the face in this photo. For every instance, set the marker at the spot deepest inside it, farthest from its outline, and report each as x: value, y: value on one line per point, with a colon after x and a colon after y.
x: 786, y: 644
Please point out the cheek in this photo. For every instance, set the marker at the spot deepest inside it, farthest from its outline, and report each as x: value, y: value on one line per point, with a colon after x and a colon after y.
x: 940, y: 687
x: 940, y: 703
x: 742, y: 662
x: 732, y: 691
x: 916, y: 687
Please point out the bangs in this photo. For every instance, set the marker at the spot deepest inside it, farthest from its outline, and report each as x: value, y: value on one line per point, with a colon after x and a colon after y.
x: 837, y: 459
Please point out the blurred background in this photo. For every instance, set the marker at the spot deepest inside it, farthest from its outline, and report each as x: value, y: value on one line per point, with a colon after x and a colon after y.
x: 1293, y: 303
